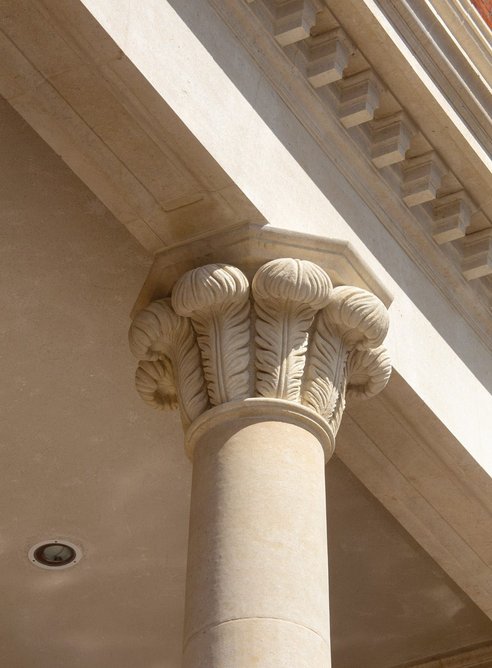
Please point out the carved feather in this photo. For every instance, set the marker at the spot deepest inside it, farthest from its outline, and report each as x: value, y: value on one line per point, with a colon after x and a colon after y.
x: 359, y: 315
x: 338, y: 411
x: 287, y: 294
x: 223, y: 337
x: 325, y: 373
x: 158, y: 333
x: 187, y: 367
x: 368, y: 372
x: 281, y: 344
x: 216, y: 298
x: 155, y: 384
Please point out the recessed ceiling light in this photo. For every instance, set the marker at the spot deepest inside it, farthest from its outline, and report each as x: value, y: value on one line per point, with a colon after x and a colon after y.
x: 55, y: 554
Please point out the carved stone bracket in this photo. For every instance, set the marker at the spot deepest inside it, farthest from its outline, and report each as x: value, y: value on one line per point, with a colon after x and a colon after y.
x: 303, y: 341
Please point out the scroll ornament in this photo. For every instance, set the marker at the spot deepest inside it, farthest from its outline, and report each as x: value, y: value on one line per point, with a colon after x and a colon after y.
x: 301, y: 340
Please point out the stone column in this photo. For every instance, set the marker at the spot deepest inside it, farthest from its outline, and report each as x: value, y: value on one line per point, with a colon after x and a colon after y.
x: 261, y: 377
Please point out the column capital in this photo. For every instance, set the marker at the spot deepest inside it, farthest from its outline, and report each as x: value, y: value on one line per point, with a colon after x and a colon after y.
x: 289, y: 336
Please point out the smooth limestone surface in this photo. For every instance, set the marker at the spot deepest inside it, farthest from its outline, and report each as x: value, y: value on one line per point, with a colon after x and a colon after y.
x: 257, y: 585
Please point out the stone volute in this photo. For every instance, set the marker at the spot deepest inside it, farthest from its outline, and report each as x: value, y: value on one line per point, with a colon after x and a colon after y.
x: 260, y: 374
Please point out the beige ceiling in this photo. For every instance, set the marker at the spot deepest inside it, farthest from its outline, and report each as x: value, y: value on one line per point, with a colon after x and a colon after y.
x: 83, y: 458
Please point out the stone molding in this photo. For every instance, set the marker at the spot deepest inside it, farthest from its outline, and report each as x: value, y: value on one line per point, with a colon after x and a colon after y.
x: 261, y: 409
x: 291, y: 337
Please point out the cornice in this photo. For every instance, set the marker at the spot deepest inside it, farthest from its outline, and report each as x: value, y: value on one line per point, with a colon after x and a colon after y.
x: 466, y: 87
x: 433, y: 80
x: 467, y: 27
x: 351, y: 146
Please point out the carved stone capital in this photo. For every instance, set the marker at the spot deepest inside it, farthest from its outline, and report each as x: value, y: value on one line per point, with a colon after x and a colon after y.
x: 302, y: 342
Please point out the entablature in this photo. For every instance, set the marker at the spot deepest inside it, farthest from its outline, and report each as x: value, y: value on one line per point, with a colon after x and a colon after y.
x: 406, y: 160
x: 356, y: 93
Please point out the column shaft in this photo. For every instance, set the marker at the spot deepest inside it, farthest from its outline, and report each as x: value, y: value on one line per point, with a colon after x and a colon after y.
x: 257, y: 587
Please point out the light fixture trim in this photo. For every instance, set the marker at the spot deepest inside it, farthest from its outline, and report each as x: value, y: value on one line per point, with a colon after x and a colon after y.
x: 75, y: 556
